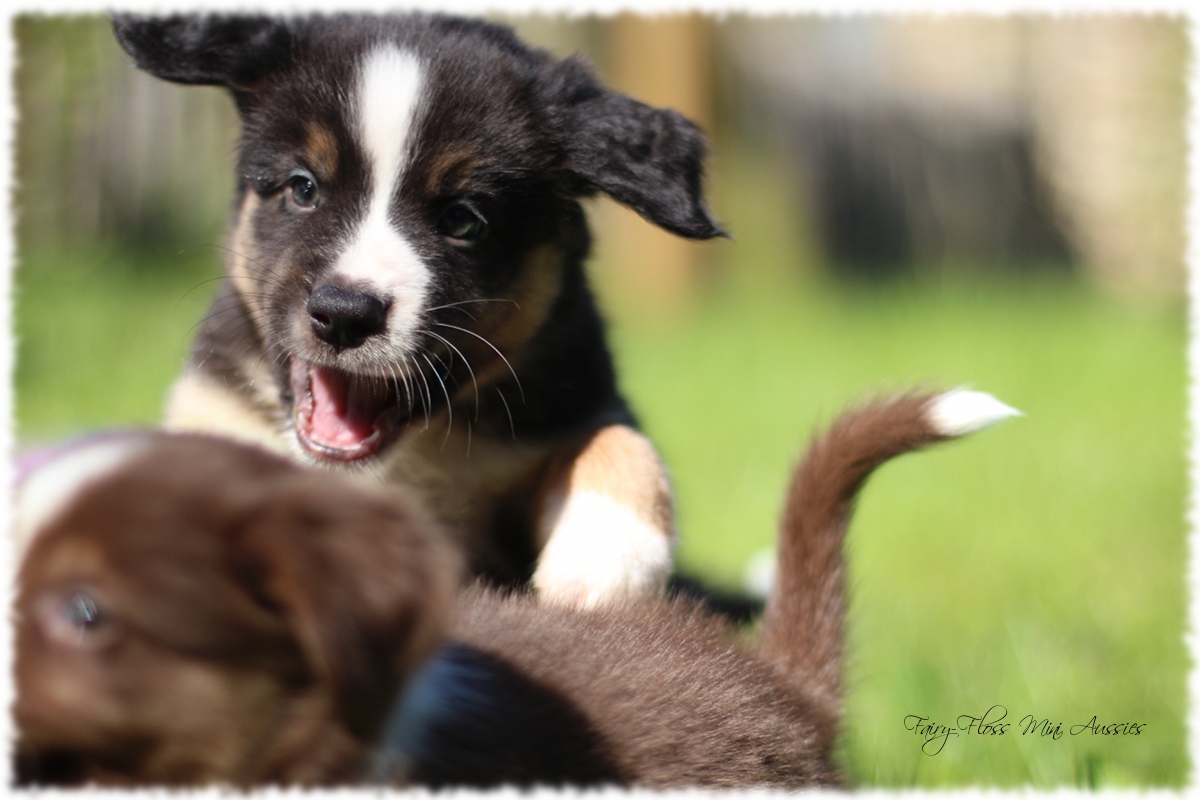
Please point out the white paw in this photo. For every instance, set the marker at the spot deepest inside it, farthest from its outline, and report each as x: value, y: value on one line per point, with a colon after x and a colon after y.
x: 600, y: 551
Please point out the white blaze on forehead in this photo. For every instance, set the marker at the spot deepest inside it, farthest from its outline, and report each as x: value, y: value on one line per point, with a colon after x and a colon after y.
x: 387, y: 108
x: 49, y: 489
x: 388, y: 97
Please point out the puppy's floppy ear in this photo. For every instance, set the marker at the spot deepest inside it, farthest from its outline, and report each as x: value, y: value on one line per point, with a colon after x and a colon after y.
x: 365, y: 582
x: 650, y: 159
x: 214, y: 50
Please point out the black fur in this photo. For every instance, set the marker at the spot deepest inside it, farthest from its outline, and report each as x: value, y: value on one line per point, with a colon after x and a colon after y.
x: 216, y: 51
x: 649, y: 159
x: 507, y: 135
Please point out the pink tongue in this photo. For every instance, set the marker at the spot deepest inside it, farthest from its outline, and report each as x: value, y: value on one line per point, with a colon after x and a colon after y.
x: 342, y: 416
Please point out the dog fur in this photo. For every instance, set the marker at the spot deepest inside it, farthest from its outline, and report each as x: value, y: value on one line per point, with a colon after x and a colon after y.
x: 197, y: 611
x: 405, y: 292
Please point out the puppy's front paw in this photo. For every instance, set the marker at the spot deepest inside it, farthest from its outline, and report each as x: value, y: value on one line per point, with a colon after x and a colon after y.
x: 601, y: 551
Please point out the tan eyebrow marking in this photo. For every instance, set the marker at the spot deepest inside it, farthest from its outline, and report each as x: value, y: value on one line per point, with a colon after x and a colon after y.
x: 321, y: 149
x: 448, y: 172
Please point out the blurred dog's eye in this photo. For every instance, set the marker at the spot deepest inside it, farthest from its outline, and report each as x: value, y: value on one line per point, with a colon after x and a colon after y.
x: 76, y: 619
x: 302, y: 191
x: 81, y: 612
x: 461, y: 221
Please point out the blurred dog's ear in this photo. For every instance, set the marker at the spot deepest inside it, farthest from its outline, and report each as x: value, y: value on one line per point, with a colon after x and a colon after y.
x: 237, y: 52
x: 367, y: 585
x: 650, y: 159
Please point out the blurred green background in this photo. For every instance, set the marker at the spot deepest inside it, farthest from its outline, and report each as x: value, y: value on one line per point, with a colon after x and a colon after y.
x: 990, y: 202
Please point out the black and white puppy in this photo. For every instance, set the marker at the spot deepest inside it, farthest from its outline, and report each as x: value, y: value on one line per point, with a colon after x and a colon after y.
x: 405, y: 292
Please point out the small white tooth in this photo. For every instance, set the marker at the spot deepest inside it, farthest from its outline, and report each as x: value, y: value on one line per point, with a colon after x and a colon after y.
x: 962, y: 411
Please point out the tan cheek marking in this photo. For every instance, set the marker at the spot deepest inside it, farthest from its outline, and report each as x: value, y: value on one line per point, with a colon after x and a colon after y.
x: 511, y: 327
x: 621, y: 464
x: 536, y: 292
x: 322, y: 151
x: 239, y: 266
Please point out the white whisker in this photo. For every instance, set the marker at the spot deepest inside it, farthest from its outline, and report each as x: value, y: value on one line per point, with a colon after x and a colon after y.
x: 457, y: 306
x: 406, y: 374
x: 467, y: 363
x: 428, y: 398
x: 495, y: 349
x: 449, y: 402
x: 508, y: 411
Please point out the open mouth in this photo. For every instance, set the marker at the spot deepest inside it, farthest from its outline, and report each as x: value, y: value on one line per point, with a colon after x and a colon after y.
x: 340, y: 416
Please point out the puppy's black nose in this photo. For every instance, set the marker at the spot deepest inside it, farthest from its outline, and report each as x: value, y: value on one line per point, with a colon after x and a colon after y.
x: 345, y: 319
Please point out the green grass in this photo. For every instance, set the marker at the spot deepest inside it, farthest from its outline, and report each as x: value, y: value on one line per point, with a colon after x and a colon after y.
x: 1039, y: 565
x: 100, y: 336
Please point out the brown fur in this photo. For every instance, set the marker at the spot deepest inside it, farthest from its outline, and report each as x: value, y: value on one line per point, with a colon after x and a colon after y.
x: 802, y: 625
x: 258, y: 619
x: 657, y: 695
x: 252, y: 616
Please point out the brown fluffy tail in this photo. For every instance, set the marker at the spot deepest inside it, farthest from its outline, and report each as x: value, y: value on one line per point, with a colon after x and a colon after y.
x: 802, y: 626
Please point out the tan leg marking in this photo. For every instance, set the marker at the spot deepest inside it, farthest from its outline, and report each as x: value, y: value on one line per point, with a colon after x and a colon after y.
x: 606, y: 525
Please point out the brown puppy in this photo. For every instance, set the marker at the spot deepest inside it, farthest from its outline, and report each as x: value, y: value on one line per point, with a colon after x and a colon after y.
x: 193, y: 611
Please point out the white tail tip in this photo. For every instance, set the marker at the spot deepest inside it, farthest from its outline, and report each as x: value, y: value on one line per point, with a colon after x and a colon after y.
x: 961, y: 411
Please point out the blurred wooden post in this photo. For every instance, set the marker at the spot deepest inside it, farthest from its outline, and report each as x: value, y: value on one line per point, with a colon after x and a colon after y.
x: 662, y: 61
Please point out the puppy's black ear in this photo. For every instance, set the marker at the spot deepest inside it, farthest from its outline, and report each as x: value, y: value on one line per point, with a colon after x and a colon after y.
x: 365, y: 582
x: 232, y: 51
x: 650, y: 159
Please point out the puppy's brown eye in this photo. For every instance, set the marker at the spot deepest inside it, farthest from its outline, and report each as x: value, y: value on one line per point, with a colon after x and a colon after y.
x: 302, y: 191
x: 461, y: 221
